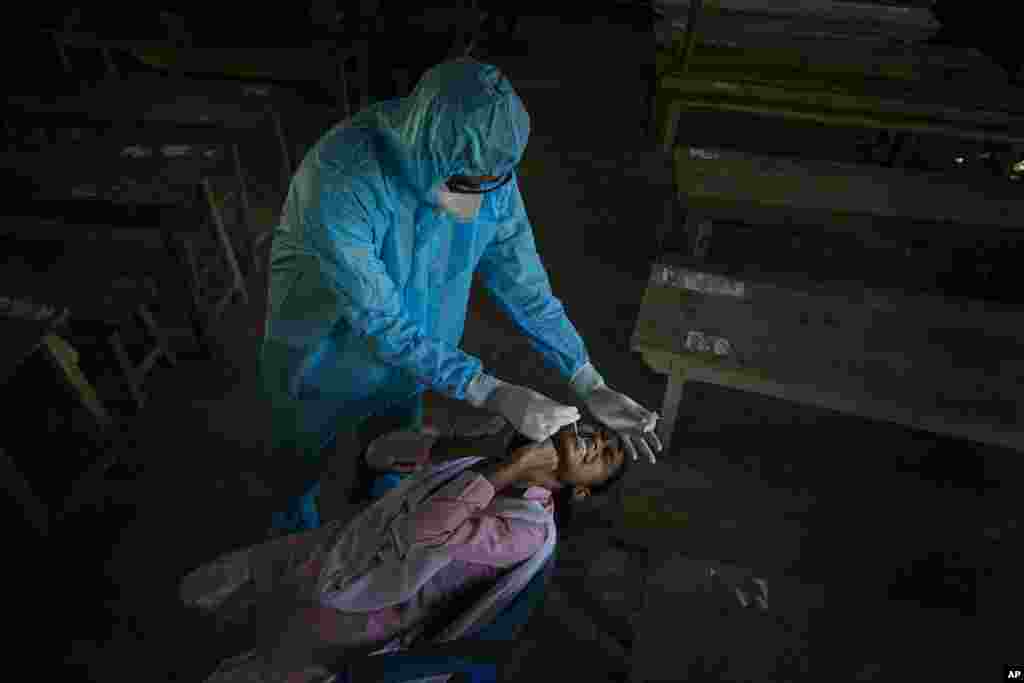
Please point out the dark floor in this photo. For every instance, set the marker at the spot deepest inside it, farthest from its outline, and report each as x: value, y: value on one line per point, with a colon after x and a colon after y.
x: 905, y: 532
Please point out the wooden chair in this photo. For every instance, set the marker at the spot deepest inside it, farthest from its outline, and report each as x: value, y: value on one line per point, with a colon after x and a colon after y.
x: 943, y: 363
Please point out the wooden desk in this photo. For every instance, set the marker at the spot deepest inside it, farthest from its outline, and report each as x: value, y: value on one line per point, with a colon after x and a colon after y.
x: 917, y: 111
x: 163, y: 111
x: 913, y: 359
x: 94, y: 231
x: 949, y: 367
x: 167, y: 167
x: 324, y: 62
x: 805, y: 65
x: 738, y: 183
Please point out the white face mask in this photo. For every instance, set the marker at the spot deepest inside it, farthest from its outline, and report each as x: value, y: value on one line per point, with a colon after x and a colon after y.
x: 463, y: 207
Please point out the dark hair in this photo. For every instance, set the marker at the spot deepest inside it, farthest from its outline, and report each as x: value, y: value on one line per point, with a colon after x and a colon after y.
x: 563, y: 497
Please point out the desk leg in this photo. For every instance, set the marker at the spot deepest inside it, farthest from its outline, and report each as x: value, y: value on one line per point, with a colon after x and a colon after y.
x: 670, y: 410
x: 186, y: 261
x: 127, y: 369
x: 698, y: 230
x: 256, y: 246
x: 238, y: 281
x: 667, y: 225
x: 286, y: 158
x: 672, y: 117
x: 243, y: 189
x: 36, y: 512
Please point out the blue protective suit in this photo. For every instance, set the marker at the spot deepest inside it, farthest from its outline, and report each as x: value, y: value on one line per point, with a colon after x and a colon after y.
x: 370, y: 280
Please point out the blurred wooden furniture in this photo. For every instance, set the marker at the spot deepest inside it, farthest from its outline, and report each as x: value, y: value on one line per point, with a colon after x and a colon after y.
x: 170, y: 169
x: 807, y: 69
x: 944, y: 363
x: 95, y: 266
x: 325, y: 62
x: 26, y: 328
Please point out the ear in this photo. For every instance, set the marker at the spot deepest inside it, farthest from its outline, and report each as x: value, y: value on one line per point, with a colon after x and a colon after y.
x: 580, y: 492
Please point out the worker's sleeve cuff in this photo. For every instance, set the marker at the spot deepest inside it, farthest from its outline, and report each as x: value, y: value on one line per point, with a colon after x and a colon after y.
x: 585, y: 380
x: 480, y: 389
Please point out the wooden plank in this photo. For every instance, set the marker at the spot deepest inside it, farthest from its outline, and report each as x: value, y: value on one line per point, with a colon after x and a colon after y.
x: 796, y: 75
x: 717, y: 178
x: 822, y: 10
x: 670, y: 113
x: 948, y: 366
x: 884, y: 98
x: 900, y: 112
x: 848, y: 61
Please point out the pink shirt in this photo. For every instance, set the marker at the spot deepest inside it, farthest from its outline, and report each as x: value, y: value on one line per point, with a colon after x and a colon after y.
x: 458, y: 516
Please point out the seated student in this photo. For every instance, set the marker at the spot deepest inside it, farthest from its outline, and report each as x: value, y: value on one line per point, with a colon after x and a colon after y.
x: 439, y: 551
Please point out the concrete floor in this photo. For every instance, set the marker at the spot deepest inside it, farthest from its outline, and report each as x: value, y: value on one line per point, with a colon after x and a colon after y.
x: 888, y: 524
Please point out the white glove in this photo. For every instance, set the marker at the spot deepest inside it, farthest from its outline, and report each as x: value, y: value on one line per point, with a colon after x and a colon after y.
x: 633, y: 423
x: 532, y: 414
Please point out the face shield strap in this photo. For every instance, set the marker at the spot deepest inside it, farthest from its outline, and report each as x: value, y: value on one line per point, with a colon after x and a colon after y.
x: 460, y: 185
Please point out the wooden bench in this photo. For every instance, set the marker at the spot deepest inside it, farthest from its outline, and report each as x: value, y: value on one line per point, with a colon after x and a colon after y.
x: 945, y: 364
x: 164, y: 165
x: 874, y: 84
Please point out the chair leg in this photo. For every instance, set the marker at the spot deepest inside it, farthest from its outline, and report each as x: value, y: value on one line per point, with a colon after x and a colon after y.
x: 127, y: 369
x: 65, y: 359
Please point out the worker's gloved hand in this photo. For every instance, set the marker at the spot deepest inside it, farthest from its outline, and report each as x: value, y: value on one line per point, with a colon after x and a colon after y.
x: 633, y: 423
x: 532, y: 414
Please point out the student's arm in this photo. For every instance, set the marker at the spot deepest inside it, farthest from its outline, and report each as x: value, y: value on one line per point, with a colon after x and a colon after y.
x: 457, y: 516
